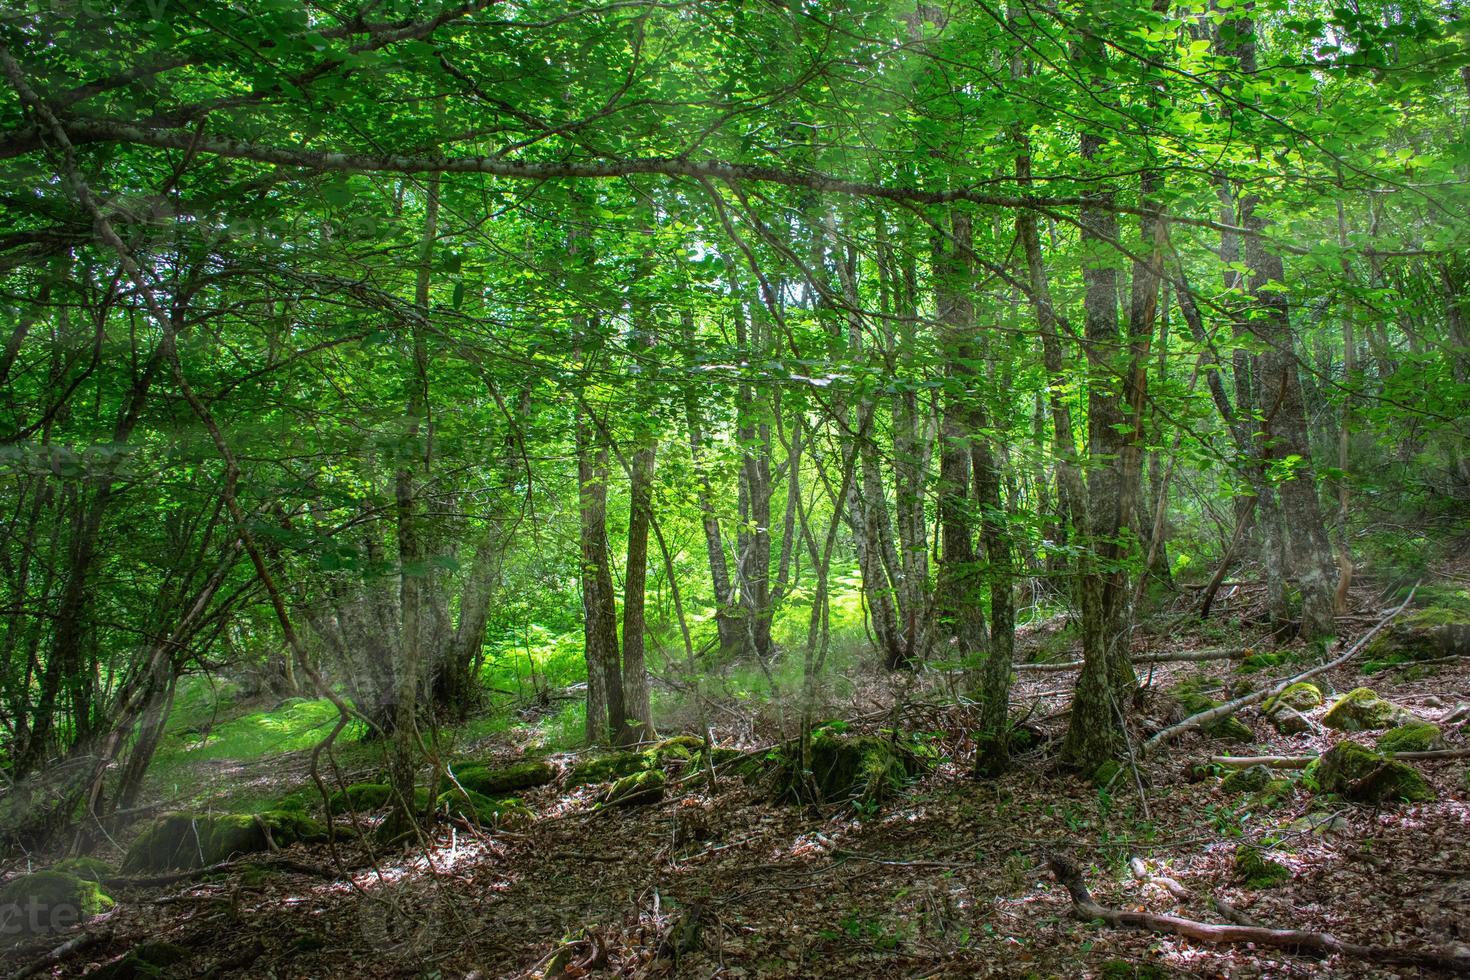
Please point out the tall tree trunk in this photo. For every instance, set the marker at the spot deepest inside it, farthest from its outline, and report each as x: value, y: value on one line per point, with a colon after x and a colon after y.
x: 635, y: 574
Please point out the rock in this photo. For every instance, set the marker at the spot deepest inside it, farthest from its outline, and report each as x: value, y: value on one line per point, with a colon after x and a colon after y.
x: 1246, y: 780
x: 679, y: 748
x: 1424, y: 634
x: 842, y: 768
x: 479, y: 809
x: 1275, y: 793
x: 606, y: 768
x: 1319, y: 824
x: 144, y: 962
x: 499, y: 782
x: 1257, y: 870
x: 1431, y: 702
x: 636, y: 789
x: 1364, y: 776
x: 1361, y: 710
x: 1301, y: 696
x: 1229, y: 728
x: 1412, y: 736
x: 189, y: 840
x: 1288, y: 721
x: 367, y: 797
x: 1106, y: 774
x: 86, y: 868
x: 47, y: 901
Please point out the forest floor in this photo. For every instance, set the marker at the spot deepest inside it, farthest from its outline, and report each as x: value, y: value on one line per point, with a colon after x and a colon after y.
x: 948, y: 880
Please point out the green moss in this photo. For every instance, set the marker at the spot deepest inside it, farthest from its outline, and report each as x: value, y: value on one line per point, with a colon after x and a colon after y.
x: 187, y: 840
x: 363, y: 798
x: 679, y: 748
x: 46, y: 901
x: 1125, y: 970
x: 480, y: 809
x: 145, y: 961
x: 1364, y: 776
x: 1412, y: 736
x: 1262, y: 661
x: 1258, y: 871
x: 1362, y: 710
x: 1435, y: 631
x: 1246, y: 780
x: 607, y: 768
x: 1229, y: 728
x: 1301, y: 696
x: 86, y: 868
x: 498, y: 782
x: 866, y: 768
x: 1106, y: 774
x: 637, y: 789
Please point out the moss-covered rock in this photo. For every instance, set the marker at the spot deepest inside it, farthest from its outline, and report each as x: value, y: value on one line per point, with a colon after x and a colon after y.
x: 485, y: 811
x: 679, y: 748
x: 637, y: 789
x: 509, y: 779
x: 146, y: 961
x: 841, y: 767
x: 1258, y: 871
x: 1289, y: 721
x: 1275, y: 793
x: 1412, y: 736
x: 1436, y: 631
x: 607, y: 768
x: 1364, y: 776
x: 1106, y: 773
x: 1246, y: 780
x: 86, y: 868
x: 1261, y: 661
x: 1301, y: 696
x: 1229, y: 728
x: 1361, y: 710
x: 190, y: 840
x: 367, y: 797
x: 46, y: 901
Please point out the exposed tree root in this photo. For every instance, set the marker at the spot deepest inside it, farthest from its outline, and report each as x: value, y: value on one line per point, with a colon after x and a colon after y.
x: 1069, y: 876
x: 1179, y: 891
x: 71, y: 947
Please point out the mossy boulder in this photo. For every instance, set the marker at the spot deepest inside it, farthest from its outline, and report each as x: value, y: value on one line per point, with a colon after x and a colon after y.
x: 1301, y: 696
x: 86, y: 868
x: 190, y: 840
x: 607, y: 768
x: 1249, y: 780
x: 46, y: 901
x: 1423, y: 634
x: 1275, y: 793
x: 1106, y: 773
x: 679, y: 748
x: 1361, y: 710
x: 1363, y: 776
x: 842, y: 768
x: 1229, y: 728
x: 367, y: 797
x: 509, y: 779
x: 1412, y: 736
x: 637, y: 789
x: 485, y: 811
x: 1258, y: 871
x: 1289, y: 721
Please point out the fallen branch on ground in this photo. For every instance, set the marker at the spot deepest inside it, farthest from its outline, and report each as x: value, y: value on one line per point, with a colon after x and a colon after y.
x: 270, y: 864
x: 1173, y: 887
x: 1084, y: 907
x: 1231, y: 707
x: 69, y: 948
x: 1190, y: 656
x: 1302, y: 761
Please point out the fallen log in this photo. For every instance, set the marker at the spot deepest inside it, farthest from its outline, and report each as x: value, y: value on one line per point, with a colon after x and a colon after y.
x: 1084, y: 907
x: 1231, y: 707
x: 1302, y: 761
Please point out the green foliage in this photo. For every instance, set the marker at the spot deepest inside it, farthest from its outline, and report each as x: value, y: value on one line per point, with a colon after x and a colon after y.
x: 1258, y: 871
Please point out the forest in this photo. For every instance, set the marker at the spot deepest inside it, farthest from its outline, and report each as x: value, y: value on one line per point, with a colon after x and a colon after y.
x: 734, y: 488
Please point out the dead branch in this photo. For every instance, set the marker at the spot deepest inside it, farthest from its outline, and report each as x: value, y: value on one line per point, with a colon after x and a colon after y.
x: 71, y: 947
x: 1183, y: 894
x: 1084, y: 907
x: 1188, y: 656
x: 1302, y: 761
x: 1231, y: 707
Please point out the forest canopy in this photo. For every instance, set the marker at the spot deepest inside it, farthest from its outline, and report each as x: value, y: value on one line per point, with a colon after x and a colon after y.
x: 443, y: 364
